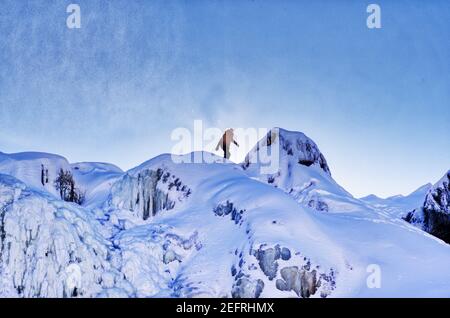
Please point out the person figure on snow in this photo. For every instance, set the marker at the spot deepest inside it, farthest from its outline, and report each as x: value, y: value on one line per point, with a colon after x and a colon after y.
x: 225, y: 141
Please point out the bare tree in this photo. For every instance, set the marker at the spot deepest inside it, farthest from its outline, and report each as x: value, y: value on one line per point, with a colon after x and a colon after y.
x: 42, y: 174
x: 65, y: 184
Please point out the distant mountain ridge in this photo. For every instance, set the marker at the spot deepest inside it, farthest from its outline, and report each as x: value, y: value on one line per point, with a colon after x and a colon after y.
x: 399, y: 205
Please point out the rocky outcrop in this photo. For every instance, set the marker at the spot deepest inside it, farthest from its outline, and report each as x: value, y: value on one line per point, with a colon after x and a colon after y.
x: 434, y: 216
x: 438, y: 199
x: 295, y: 145
x: 228, y: 208
x: 267, y: 259
x: 302, y: 282
x: 303, y: 279
x: 148, y: 192
x: 245, y: 287
x: 317, y: 204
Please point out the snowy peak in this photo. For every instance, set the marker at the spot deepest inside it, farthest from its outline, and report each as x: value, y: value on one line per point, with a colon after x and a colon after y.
x: 423, y: 189
x: 438, y: 198
x: 434, y: 215
x: 301, y: 171
x: 296, y: 146
x: 371, y: 198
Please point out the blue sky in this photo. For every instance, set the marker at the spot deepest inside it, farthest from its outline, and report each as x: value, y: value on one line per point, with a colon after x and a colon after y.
x: 377, y: 102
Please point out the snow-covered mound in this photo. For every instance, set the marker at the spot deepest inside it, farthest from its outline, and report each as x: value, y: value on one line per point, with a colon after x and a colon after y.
x: 50, y: 248
x: 399, y: 205
x: 434, y: 215
x: 217, y: 232
x: 95, y: 179
x: 40, y: 170
x: 302, y: 172
x: 234, y: 236
x: 36, y: 169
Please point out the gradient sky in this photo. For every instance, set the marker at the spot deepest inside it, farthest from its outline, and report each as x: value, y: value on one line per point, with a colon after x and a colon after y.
x: 377, y: 102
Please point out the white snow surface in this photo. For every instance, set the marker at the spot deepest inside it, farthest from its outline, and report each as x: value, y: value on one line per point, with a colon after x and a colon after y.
x: 166, y: 229
x: 27, y: 167
x: 92, y: 178
x: 95, y: 179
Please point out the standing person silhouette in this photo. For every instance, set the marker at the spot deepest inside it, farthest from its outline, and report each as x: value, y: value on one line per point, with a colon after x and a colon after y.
x: 225, y: 141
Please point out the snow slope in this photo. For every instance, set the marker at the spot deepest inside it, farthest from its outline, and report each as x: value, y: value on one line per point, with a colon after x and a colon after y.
x: 237, y: 236
x: 225, y: 238
x: 95, y: 179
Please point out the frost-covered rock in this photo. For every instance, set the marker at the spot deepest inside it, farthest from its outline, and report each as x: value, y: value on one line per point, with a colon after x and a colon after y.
x: 438, y: 198
x: 50, y: 248
x: 285, y: 254
x: 227, y: 208
x: 434, y: 216
x: 304, y: 283
x: 151, y: 257
x: 245, y: 287
x: 147, y: 192
x: 296, y: 145
x: 305, y: 280
x: 267, y: 259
